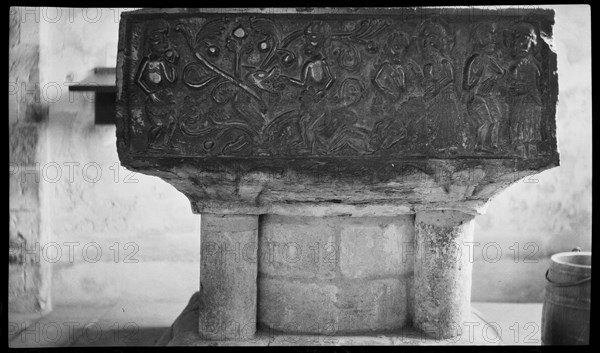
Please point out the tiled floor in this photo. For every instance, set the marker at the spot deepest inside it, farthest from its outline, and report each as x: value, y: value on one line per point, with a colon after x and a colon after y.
x: 141, y: 323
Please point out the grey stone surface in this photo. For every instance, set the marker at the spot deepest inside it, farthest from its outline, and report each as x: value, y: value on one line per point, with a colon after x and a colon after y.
x: 376, y: 246
x: 332, y: 307
x: 29, y: 275
x: 442, y: 277
x: 24, y: 230
x: 228, y: 270
x: 24, y: 83
x: 298, y: 247
x: 24, y: 139
x: 28, y: 290
x: 184, y: 332
x: 334, y: 274
x: 24, y: 192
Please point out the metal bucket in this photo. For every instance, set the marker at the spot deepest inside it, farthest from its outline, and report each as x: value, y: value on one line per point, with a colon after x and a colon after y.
x: 566, y: 310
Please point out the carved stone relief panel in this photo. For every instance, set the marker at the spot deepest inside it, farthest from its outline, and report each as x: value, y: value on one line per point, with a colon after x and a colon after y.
x: 324, y: 85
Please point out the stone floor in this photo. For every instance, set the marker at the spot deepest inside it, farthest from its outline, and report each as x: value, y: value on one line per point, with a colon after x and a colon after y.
x: 516, y: 323
x: 123, y: 323
x: 130, y: 323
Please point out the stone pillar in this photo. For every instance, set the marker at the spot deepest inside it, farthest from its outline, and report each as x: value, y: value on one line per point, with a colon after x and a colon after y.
x: 228, y: 269
x: 442, y: 275
x: 30, y: 276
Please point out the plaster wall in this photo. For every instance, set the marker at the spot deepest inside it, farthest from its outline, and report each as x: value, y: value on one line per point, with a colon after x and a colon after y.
x: 130, y: 235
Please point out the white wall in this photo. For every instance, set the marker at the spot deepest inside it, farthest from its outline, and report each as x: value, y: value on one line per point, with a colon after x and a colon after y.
x: 116, y: 208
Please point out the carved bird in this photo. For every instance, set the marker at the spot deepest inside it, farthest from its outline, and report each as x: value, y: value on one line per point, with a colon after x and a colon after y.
x: 270, y: 81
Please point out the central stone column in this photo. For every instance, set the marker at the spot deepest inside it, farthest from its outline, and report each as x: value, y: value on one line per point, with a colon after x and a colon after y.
x: 334, y: 275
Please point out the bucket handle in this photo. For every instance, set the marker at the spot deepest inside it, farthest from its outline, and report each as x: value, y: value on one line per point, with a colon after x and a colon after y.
x: 567, y: 284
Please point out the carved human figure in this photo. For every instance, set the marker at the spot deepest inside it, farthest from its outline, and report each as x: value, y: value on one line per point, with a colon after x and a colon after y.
x: 316, y: 74
x: 525, y: 105
x: 483, y: 73
x: 439, y: 92
x: 387, y: 133
x: 335, y: 130
x: 316, y: 79
x: 156, y: 73
x: 399, y: 78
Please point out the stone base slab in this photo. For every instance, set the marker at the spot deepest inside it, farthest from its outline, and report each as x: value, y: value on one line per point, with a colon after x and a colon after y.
x: 184, y: 332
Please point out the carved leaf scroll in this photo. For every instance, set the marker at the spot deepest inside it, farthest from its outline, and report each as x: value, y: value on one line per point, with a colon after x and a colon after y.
x: 248, y: 85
